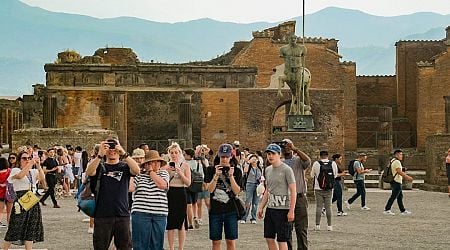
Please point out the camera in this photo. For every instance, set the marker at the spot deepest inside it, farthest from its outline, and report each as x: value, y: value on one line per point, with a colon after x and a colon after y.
x: 225, y: 169
x: 172, y: 165
x: 282, y: 144
x: 111, y: 143
x: 198, y: 158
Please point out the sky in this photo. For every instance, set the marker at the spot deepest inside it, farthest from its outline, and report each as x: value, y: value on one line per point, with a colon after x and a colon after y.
x: 240, y: 11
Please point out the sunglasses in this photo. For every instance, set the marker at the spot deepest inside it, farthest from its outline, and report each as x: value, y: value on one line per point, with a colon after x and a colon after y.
x: 26, y: 158
x: 12, y: 157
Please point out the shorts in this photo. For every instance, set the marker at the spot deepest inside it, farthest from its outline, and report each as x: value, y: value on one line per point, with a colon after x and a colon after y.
x: 191, y: 198
x: 277, y: 225
x: 203, y: 195
x: 227, y: 221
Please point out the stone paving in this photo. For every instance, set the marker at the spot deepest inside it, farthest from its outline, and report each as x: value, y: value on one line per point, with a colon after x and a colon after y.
x: 426, y: 228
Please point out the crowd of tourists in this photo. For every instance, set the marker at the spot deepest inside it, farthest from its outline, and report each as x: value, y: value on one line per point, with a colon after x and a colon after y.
x: 146, y: 197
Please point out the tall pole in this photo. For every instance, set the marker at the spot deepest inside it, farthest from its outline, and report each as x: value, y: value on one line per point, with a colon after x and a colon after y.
x: 303, y: 63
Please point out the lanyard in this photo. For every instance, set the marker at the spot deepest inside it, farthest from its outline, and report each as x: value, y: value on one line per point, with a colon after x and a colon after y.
x: 30, y: 179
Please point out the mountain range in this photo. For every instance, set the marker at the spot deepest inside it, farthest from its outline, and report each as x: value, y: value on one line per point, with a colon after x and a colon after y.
x: 32, y: 36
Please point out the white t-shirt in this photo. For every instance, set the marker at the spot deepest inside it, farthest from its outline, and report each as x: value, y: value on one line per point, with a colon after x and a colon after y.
x: 77, y: 159
x: 315, y: 171
x: 24, y: 183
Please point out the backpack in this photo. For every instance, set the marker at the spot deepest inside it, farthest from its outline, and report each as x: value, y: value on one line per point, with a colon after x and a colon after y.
x: 196, y: 181
x: 387, y: 173
x: 326, y: 176
x: 351, y: 168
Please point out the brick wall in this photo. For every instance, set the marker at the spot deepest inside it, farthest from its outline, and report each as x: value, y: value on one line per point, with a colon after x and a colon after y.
x: 49, y: 137
x: 436, y: 151
x: 408, y: 53
x: 433, y: 85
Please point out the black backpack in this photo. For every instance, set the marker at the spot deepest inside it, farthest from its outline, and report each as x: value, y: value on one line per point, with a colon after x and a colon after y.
x: 196, y: 180
x: 351, y: 168
x: 326, y: 176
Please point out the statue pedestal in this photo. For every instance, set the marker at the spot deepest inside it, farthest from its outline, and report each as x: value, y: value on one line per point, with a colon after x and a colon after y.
x: 300, y: 123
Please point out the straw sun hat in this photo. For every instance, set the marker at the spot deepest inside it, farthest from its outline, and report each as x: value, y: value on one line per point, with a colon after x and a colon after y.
x: 153, y: 155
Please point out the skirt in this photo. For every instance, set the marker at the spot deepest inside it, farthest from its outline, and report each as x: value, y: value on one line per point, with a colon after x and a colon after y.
x: 26, y: 225
x: 176, y: 197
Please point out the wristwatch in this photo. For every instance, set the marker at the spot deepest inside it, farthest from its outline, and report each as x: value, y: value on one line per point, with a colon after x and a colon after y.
x: 100, y: 157
x: 125, y: 155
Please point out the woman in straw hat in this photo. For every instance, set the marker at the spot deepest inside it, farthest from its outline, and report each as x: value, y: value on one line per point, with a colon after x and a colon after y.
x: 150, y: 207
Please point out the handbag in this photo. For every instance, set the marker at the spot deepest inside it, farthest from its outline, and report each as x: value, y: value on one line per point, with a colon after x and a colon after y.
x: 87, y: 200
x: 29, y: 199
x: 239, y: 204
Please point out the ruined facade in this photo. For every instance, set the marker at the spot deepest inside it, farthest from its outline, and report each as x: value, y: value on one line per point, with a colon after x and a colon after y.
x: 234, y: 97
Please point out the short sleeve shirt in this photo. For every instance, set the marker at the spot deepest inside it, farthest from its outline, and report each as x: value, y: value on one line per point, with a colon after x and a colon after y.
x: 396, y: 164
x: 220, y: 199
x: 358, y: 176
x: 24, y: 183
x: 278, y: 180
x: 113, y: 193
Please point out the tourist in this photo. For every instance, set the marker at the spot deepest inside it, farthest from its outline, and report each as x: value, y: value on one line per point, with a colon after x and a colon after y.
x: 25, y: 227
x: 112, y: 216
x: 396, y: 185
x: 201, y: 152
x: 77, y: 169
x: 12, y: 160
x: 338, y: 185
x: 253, y: 174
x: 222, y: 180
x: 323, y: 193
x: 358, y: 179
x: 447, y: 164
x: 180, y: 179
x: 51, y: 168
x: 280, y: 197
x: 191, y: 197
x: 299, y: 162
x: 150, y: 208
x: 4, y: 174
x: 138, y: 155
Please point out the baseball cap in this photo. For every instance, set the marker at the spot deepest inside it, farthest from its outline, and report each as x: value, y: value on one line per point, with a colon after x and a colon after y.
x: 138, y: 153
x: 225, y: 150
x: 287, y: 140
x: 274, y: 148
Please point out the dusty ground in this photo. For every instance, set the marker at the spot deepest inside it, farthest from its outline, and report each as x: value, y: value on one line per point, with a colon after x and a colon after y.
x: 427, y: 228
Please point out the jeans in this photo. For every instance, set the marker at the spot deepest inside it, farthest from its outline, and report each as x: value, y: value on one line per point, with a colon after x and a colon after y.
x: 251, y: 200
x: 323, y: 200
x: 337, y: 195
x: 148, y: 231
x: 397, y: 193
x: 360, y: 191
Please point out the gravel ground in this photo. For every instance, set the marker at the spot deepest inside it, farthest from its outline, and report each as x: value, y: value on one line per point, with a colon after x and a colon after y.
x: 426, y: 228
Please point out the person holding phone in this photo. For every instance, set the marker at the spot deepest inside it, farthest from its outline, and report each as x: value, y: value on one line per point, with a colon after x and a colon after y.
x: 222, y: 180
x: 180, y: 179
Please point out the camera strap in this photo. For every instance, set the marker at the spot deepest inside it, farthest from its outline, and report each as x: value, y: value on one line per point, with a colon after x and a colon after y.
x: 228, y: 186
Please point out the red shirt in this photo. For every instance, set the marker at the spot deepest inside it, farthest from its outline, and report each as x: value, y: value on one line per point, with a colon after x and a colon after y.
x: 4, y: 182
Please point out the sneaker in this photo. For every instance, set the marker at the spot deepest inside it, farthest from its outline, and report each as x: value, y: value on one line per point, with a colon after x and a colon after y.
x: 324, y: 211
x: 196, y: 224
x: 389, y: 212
x: 341, y: 214
x: 86, y: 220
x: 347, y: 205
x: 253, y: 221
x: 90, y: 230
x: 2, y: 225
x: 56, y: 206
x: 406, y: 212
x: 317, y: 228
x: 242, y: 221
x: 200, y: 222
x: 190, y: 227
x: 329, y: 228
x: 365, y: 208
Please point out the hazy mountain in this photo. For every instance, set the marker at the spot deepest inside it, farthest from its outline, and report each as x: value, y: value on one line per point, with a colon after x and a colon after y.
x: 32, y: 37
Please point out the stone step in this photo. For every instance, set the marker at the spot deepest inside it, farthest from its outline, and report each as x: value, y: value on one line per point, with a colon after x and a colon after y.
x: 372, y: 180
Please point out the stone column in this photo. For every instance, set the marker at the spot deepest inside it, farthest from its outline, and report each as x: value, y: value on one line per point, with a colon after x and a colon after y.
x: 116, y: 102
x: 185, y: 119
x: 385, y: 143
x: 447, y: 113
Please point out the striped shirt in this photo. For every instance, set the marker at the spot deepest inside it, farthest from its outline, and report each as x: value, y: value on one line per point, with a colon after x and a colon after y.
x: 147, y: 197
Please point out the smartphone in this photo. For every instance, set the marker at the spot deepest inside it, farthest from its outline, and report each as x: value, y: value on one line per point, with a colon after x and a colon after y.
x: 225, y: 169
x: 172, y: 165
